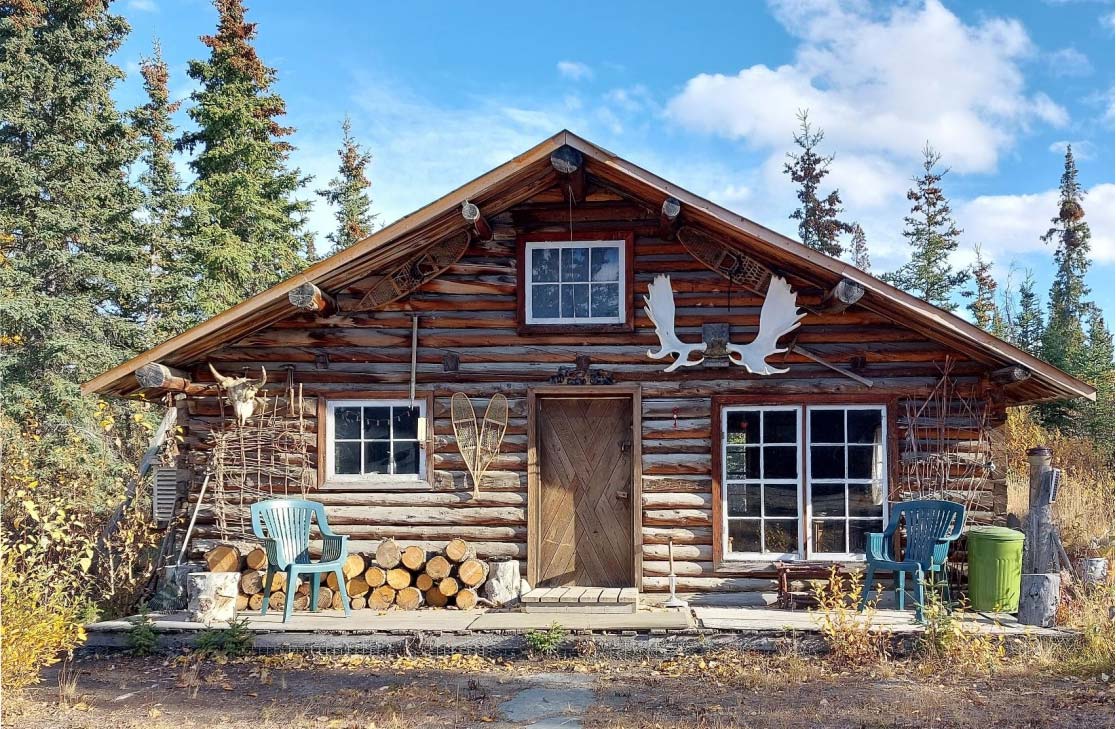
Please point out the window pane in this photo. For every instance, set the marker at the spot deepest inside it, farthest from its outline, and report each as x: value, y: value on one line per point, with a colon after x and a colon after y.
x: 827, y: 461
x: 780, y: 462
x: 605, y: 264
x: 406, y: 456
x: 827, y: 426
x: 575, y: 264
x: 829, y: 535
x: 828, y: 499
x: 376, y: 457
x: 780, y: 427
x: 864, y: 426
x: 377, y: 423
x: 742, y: 463
x: 544, y: 264
x: 744, y: 535
x: 743, y: 426
x: 861, y: 461
x: 346, y: 423
x: 544, y: 301
x: 865, y: 499
x: 780, y: 499
x: 780, y: 535
x: 743, y: 499
x: 346, y: 457
x: 575, y: 301
x: 858, y: 529
x: 605, y: 299
x: 405, y: 422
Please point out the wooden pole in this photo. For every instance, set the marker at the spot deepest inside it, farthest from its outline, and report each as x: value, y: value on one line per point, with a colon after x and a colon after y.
x: 669, y: 218
x: 1038, y: 594
x: 309, y: 297
x: 569, y: 163
x: 472, y: 213
x: 157, y: 376
x: 846, y: 293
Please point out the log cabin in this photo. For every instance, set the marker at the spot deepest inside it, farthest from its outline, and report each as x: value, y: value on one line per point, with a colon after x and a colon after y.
x: 679, y: 381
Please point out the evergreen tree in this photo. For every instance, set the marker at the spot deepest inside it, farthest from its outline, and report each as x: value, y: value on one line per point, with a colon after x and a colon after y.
x: 72, y: 270
x: 167, y: 308
x: 1099, y: 373
x: 1028, y: 326
x: 858, y: 248
x: 983, y: 307
x: 933, y: 236
x: 347, y: 193
x: 819, y: 224
x: 247, y: 227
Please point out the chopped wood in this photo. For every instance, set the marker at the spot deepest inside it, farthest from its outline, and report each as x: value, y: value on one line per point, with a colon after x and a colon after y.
x: 398, y: 578
x: 302, y: 602
x: 303, y: 586
x: 255, y: 602
x: 449, y: 587
x: 409, y: 598
x: 223, y: 558
x: 331, y: 581
x: 458, y: 550
x: 375, y: 576
x: 381, y: 598
x: 388, y: 554
x: 465, y: 599
x: 424, y: 582
x: 335, y: 603
x: 438, y: 567
x: 279, y: 581
x: 277, y: 601
x: 251, y: 582
x: 413, y: 558
x: 256, y: 559
x: 435, y: 598
x: 358, y: 603
x: 353, y: 567
x: 325, y: 598
x: 356, y: 586
x: 472, y: 572
x: 242, y: 602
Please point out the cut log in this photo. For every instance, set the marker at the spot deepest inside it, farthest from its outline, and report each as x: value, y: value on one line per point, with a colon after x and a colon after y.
x: 381, y: 598
x: 242, y: 602
x: 413, y: 558
x: 424, y: 582
x: 223, y: 558
x: 325, y: 598
x: 335, y: 604
x: 458, y: 550
x: 449, y: 587
x: 309, y: 297
x: 1038, y: 599
x: 212, y: 596
x: 331, y: 581
x: 502, y: 585
x: 277, y: 601
x: 358, y: 603
x: 356, y: 586
x: 434, y: 598
x: 438, y: 567
x: 251, y: 582
x: 255, y: 602
x: 256, y: 559
x: 388, y: 554
x: 157, y: 376
x: 353, y: 567
x: 409, y: 598
x: 303, y: 586
x: 375, y: 576
x: 302, y: 602
x: 472, y: 572
x: 398, y: 578
x: 278, y: 581
x: 466, y: 599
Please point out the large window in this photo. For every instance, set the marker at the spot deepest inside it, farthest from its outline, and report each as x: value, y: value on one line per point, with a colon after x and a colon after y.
x: 575, y: 282
x: 801, y: 481
x: 375, y: 439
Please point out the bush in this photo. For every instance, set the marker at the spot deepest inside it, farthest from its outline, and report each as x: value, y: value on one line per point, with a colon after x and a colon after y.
x: 142, y: 639
x: 848, y: 633
x: 546, y: 642
x: 231, y: 642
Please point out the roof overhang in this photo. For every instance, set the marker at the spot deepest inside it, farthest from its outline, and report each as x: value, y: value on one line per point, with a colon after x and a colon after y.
x: 518, y: 179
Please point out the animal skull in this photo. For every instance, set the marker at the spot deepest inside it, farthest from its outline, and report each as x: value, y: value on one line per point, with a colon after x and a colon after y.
x: 240, y: 392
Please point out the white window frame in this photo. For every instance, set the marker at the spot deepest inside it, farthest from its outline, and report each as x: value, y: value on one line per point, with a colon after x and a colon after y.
x: 882, y: 476
x: 725, y: 481
x: 332, y: 476
x: 529, y: 283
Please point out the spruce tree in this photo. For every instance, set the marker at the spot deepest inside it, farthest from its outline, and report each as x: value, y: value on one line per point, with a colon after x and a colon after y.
x: 248, y: 229
x: 819, y: 223
x: 986, y: 313
x: 1099, y: 373
x: 168, y: 307
x: 933, y: 236
x: 73, y: 264
x: 1028, y: 327
x: 858, y: 249
x: 1064, y: 339
x: 347, y: 193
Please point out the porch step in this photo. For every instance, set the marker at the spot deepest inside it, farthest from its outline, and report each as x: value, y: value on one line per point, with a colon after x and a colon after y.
x: 581, y: 600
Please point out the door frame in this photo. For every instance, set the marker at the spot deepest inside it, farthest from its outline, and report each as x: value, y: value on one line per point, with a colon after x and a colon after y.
x: 534, y: 394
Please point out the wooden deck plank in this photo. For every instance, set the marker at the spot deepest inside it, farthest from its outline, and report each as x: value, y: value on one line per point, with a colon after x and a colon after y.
x: 591, y: 594
x: 555, y: 595
x: 609, y: 594
x: 573, y: 594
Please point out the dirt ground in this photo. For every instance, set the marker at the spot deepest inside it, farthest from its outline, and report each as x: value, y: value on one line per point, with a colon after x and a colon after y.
x: 343, y: 692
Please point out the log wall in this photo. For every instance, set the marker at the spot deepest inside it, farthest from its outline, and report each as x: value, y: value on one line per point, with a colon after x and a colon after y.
x: 471, y: 311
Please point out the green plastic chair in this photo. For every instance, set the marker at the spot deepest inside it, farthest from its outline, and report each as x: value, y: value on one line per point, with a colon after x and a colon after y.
x: 931, y: 527
x: 287, y: 543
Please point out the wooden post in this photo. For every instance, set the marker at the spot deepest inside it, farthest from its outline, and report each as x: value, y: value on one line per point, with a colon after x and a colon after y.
x: 669, y: 219
x: 569, y: 163
x: 1038, y: 599
x: 846, y: 293
x: 309, y: 297
x: 158, y: 376
x: 1009, y: 375
x: 1038, y: 594
x: 472, y: 213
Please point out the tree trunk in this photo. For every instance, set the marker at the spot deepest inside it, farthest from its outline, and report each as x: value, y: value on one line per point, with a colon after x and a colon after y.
x: 398, y: 578
x: 438, y: 567
x: 409, y: 598
x: 353, y: 567
x: 414, y: 558
x: 375, y: 576
x: 472, y: 572
x: 335, y: 603
x: 325, y: 598
x: 223, y: 558
x: 1038, y: 599
x: 466, y: 599
x: 277, y: 601
x: 241, y: 603
x: 388, y: 554
x: 381, y: 598
x: 458, y: 550
x: 256, y: 559
x: 502, y: 585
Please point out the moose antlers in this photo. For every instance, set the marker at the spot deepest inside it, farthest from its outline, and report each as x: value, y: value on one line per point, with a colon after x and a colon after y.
x: 240, y: 392
x: 659, y: 304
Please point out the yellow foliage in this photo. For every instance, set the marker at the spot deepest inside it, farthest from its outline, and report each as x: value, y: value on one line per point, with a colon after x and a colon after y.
x: 849, y: 633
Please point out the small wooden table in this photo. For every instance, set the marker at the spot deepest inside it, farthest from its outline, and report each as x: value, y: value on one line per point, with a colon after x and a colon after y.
x: 789, y: 571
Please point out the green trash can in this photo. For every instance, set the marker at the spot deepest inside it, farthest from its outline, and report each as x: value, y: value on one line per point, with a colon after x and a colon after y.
x: 995, y: 568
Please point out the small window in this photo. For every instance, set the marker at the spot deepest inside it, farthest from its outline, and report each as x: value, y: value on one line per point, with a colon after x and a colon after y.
x: 575, y: 282
x: 375, y: 438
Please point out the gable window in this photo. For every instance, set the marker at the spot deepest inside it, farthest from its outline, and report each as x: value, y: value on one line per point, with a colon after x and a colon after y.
x: 381, y: 439
x: 800, y: 481
x: 575, y: 282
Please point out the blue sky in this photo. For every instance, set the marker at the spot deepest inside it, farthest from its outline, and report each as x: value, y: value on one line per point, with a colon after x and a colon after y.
x: 704, y: 94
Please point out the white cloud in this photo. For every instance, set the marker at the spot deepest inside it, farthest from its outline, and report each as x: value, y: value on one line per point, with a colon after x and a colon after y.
x: 575, y: 70
x: 1082, y: 148
x: 144, y: 6
x: 882, y: 84
x: 1068, y: 62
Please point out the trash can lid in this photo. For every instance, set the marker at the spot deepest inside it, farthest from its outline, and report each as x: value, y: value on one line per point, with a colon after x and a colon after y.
x: 996, y: 534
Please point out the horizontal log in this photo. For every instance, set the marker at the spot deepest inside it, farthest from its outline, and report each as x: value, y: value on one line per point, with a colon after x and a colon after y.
x: 696, y: 552
x: 682, y: 567
x: 680, y: 535
x: 427, y: 515
x: 378, y: 499
x: 711, y: 584
x: 677, y: 517
x: 677, y: 501
x: 677, y: 484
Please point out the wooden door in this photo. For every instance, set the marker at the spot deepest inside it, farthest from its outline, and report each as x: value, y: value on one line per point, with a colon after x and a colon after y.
x: 584, y: 515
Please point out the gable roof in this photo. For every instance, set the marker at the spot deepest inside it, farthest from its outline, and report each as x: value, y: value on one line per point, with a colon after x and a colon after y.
x: 525, y: 175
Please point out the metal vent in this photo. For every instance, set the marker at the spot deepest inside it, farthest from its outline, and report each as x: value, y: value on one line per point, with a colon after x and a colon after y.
x: 164, y: 493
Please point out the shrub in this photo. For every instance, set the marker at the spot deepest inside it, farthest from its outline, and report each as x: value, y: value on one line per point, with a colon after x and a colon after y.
x: 947, y: 642
x: 546, y: 642
x: 142, y: 639
x: 231, y: 642
x: 848, y: 633
x: 1091, y: 653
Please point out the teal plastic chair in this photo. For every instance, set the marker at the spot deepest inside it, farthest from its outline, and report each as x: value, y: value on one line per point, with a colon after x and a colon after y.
x: 931, y: 527
x: 283, y: 525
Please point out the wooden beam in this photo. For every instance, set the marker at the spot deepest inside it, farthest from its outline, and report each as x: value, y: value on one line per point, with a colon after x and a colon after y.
x: 669, y: 218
x: 569, y: 163
x: 839, y: 298
x: 309, y: 297
x: 824, y: 363
x: 1009, y: 375
x: 155, y: 376
x: 472, y: 213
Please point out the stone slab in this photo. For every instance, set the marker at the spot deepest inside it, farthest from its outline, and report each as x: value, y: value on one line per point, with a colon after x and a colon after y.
x: 673, y: 620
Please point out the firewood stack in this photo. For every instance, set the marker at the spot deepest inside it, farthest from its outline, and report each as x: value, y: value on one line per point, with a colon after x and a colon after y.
x: 407, y: 578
